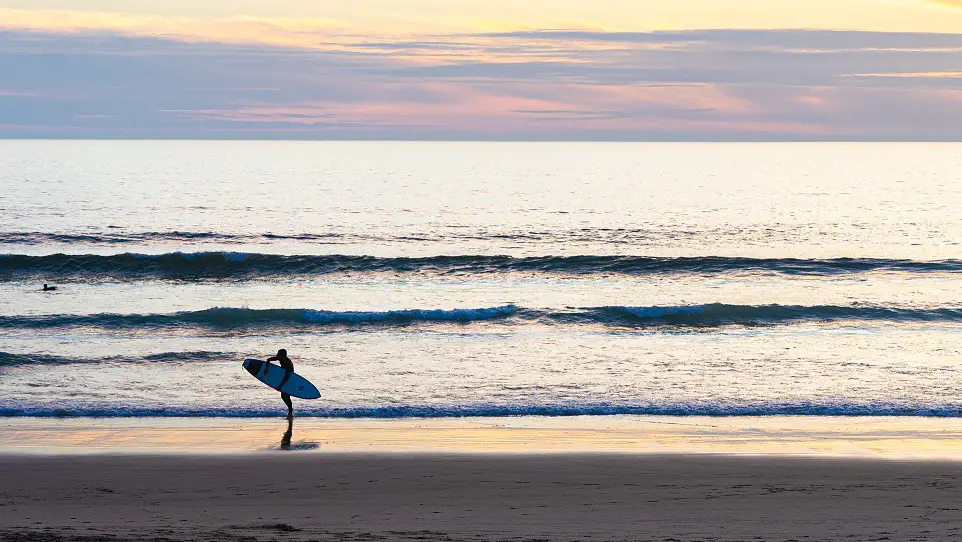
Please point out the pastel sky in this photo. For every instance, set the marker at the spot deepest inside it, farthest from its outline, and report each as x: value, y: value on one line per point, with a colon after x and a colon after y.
x: 492, y: 69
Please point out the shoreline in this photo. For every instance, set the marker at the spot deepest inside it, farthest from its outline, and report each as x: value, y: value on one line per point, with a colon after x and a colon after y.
x: 895, y: 438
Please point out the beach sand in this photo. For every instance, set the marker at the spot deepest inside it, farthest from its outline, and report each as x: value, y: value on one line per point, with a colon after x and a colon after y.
x: 354, y: 480
x: 476, y: 497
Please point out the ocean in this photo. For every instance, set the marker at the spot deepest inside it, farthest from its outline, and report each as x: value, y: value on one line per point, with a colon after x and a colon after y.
x: 449, y: 279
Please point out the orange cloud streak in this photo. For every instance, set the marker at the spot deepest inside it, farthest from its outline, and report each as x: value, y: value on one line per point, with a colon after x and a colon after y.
x: 233, y: 30
x: 909, y: 75
x: 950, y: 3
x: 315, y: 34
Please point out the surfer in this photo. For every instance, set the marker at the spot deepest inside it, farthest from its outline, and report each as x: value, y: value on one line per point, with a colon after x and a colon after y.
x: 288, y: 367
x: 49, y: 288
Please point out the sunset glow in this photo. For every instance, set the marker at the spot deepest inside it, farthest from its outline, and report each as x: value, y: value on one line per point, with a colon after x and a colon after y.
x: 689, y: 69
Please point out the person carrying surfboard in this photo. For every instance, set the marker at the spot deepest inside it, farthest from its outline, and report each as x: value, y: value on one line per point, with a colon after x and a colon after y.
x: 285, y: 380
x: 288, y: 367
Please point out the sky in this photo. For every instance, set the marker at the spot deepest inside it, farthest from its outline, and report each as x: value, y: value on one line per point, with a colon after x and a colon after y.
x: 625, y: 70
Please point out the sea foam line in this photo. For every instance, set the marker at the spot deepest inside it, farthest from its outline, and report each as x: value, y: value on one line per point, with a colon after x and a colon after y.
x: 483, y: 410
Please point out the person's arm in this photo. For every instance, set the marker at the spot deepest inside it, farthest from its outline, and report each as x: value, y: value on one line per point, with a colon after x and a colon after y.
x: 268, y: 362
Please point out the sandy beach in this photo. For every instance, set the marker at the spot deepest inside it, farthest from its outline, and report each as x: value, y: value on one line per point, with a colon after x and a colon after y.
x: 475, y: 497
x: 502, y: 479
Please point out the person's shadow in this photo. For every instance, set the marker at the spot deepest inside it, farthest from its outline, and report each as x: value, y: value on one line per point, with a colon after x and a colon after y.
x: 286, y: 440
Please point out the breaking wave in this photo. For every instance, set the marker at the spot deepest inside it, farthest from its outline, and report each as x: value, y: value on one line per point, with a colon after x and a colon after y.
x: 711, y: 315
x: 234, y: 318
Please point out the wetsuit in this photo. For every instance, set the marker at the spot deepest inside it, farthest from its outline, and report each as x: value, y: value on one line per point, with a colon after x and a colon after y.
x: 288, y: 367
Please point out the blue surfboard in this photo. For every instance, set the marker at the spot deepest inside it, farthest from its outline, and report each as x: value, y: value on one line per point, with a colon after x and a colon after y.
x: 273, y: 375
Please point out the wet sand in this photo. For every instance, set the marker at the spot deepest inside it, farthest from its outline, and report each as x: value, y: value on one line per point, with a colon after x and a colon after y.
x: 878, y: 437
x: 435, y: 497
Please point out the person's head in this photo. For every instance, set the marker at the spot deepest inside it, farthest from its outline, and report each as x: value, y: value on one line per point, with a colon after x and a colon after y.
x: 282, y: 353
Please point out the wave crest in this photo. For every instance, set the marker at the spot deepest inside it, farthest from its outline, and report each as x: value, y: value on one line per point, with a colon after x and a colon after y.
x: 238, y: 318
x: 709, y: 316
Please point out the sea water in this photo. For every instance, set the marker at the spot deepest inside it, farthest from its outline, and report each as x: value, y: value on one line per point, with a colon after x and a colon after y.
x: 481, y: 279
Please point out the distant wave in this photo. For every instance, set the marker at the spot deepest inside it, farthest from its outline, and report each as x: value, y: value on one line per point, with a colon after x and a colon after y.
x: 947, y: 410
x: 711, y: 315
x: 442, y: 235
x: 253, y: 266
x: 140, y: 238
x: 8, y: 359
x: 121, y: 237
x: 715, y: 314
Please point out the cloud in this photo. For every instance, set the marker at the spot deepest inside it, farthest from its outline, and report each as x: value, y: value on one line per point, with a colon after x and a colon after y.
x: 910, y: 75
x: 950, y: 3
x: 572, y: 84
x: 18, y: 93
x: 287, y: 32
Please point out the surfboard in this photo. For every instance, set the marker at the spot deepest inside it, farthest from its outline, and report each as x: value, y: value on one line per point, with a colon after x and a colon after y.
x: 296, y: 385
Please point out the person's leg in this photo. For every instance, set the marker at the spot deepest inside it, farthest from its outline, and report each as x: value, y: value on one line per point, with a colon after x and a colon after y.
x: 290, y: 406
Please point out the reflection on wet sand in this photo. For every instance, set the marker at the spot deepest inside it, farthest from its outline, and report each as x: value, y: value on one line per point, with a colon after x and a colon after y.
x: 892, y: 437
x: 286, y: 439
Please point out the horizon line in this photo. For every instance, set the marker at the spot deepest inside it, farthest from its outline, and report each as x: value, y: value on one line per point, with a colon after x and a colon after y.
x: 493, y: 140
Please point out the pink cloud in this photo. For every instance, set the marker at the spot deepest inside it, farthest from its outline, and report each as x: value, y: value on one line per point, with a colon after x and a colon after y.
x: 20, y: 93
x: 504, y: 109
